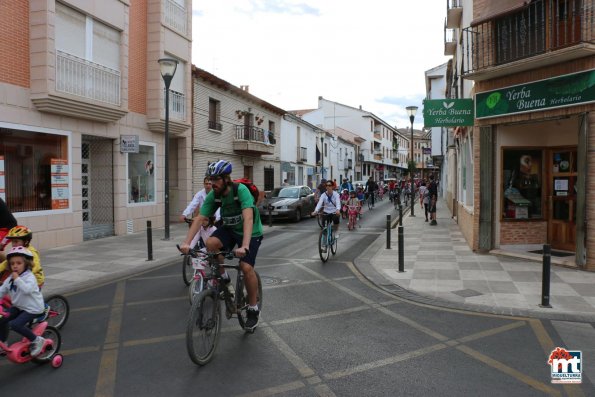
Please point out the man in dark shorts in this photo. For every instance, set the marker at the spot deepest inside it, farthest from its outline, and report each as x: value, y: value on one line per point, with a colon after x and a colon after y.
x: 241, y: 227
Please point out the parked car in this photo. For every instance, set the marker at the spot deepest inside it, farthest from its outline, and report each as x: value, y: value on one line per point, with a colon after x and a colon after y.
x: 293, y: 202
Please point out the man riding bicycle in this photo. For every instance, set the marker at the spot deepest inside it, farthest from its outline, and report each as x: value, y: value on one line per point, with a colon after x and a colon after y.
x: 241, y: 227
x: 330, y: 202
x: 371, y: 187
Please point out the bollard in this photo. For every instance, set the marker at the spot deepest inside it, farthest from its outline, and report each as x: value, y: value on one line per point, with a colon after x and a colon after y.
x: 545, y: 278
x: 149, y: 241
x: 270, y: 215
x: 400, y: 215
x: 388, y: 232
x: 401, y: 251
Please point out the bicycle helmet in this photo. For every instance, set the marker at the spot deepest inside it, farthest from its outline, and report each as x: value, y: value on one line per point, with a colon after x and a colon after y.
x: 19, y: 251
x: 20, y: 232
x: 219, y: 168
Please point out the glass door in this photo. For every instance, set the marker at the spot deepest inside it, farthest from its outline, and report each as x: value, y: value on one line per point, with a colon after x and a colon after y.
x: 562, y: 199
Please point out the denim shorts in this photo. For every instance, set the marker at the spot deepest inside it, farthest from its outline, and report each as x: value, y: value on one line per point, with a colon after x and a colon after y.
x: 230, y: 240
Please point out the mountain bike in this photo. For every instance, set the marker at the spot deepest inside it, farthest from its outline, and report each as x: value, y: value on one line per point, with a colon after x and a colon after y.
x: 326, y: 240
x: 204, y: 320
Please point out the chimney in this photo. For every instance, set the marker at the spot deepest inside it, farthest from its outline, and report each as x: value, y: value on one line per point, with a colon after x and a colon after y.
x: 245, y: 88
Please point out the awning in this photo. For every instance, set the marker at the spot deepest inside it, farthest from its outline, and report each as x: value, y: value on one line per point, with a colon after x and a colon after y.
x: 493, y: 9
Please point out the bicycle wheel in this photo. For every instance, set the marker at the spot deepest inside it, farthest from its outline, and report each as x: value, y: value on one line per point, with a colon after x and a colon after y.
x: 323, y: 250
x: 195, y: 288
x: 203, y: 328
x: 320, y: 220
x: 334, y: 243
x: 187, y: 270
x: 53, y: 334
x: 59, y: 309
x: 370, y: 206
x: 242, y: 299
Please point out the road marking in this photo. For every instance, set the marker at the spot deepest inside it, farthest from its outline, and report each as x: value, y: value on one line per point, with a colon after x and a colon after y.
x: 509, y: 371
x: 289, y: 354
x: 106, y: 378
x: 319, y: 315
x: 491, y: 332
x: 271, y: 391
x: 384, y: 362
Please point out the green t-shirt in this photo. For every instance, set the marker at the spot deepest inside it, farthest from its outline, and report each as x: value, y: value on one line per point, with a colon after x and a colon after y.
x: 231, y: 212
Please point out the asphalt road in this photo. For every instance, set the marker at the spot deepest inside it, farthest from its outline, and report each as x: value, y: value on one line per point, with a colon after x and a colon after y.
x: 325, y: 331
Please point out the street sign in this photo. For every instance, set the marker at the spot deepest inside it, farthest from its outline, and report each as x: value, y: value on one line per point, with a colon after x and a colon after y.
x: 129, y: 144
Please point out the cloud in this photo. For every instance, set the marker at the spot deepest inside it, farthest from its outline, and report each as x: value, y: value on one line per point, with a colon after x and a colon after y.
x: 282, y: 7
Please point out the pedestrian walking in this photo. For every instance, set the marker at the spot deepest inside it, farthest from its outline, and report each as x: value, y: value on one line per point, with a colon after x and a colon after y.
x: 433, y: 189
x: 424, y: 198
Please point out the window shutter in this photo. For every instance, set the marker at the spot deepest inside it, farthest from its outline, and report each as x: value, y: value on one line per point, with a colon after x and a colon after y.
x: 70, y: 31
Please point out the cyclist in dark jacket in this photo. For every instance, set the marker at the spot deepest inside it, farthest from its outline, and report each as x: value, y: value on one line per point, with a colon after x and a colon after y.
x: 371, y: 187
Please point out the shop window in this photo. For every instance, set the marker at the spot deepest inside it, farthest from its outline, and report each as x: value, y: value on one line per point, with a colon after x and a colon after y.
x: 522, y: 184
x: 141, y: 175
x: 27, y: 158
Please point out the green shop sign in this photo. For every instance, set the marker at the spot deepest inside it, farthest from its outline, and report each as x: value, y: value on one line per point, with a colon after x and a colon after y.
x: 558, y: 92
x: 448, y: 112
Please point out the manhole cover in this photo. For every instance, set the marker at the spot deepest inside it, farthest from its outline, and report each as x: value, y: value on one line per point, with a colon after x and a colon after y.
x: 467, y: 293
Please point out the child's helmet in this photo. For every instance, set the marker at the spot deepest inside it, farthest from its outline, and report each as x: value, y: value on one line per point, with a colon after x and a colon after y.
x: 19, y: 251
x: 20, y: 232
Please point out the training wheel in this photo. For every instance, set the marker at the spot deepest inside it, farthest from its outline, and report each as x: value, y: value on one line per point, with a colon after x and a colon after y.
x: 57, y: 361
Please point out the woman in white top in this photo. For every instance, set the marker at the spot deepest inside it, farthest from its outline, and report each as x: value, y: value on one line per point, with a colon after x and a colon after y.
x: 330, y: 203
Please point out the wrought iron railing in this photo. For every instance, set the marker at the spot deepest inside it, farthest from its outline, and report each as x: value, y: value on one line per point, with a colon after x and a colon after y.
x: 213, y: 125
x: 174, y: 16
x: 540, y: 27
x: 177, y: 105
x: 87, y: 79
x: 255, y: 134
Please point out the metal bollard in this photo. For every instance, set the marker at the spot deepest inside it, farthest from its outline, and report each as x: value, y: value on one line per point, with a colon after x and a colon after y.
x: 388, y: 221
x: 401, y: 251
x: 149, y: 241
x: 270, y: 215
x: 400, y: 215
x: 545, y: 278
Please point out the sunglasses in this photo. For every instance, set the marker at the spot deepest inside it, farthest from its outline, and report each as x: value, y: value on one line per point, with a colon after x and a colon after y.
x: 329, y: 185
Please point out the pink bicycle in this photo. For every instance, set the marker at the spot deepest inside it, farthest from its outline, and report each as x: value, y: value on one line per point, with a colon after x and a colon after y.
x: 18, y: 352
x: 353, y: 212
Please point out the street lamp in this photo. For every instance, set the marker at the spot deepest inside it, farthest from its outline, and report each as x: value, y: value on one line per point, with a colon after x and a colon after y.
x: 321, y: 135
x: 411, y: 110
x: 168, y: 69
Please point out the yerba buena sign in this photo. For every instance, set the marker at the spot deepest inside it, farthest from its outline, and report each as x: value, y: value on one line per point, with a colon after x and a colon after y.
x: 448, y: 112
x: 557, y: 92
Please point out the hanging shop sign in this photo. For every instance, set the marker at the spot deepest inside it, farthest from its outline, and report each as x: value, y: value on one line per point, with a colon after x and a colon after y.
x: 59, y: 183
x: 558, y: 92
x: 448, y: 112
x: 129, y: 144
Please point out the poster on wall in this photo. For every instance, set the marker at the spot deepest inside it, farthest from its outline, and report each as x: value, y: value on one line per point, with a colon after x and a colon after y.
x: 60, y: 188
x: 2, y: 183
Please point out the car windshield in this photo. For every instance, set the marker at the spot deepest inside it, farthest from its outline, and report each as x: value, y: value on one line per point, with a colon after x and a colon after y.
x: 287, y: 192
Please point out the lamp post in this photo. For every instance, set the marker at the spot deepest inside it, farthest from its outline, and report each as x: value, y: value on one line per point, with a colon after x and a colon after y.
x: 167, y: 67
x: 321, y: 136
x: 411, y: 110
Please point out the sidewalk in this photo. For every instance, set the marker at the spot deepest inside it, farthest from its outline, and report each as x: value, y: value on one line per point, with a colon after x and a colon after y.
x: 72, y: 268
x: 441, y: 269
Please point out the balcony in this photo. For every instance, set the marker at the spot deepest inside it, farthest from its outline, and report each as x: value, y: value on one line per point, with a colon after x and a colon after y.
x: 213, y: 125
x: 450, y: 42
x: 250, y: 140
x: 540, y: 34
x: 378, y: 157
x: 177, y: 105
x: 302, y: 155
x: 175, y: 16
x: 454, y: 11
x: 92, y: 91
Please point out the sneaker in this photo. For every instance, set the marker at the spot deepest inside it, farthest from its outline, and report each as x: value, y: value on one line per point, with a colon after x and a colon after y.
x: 336, y: 236
x: 426, y: 220
x: 36, y: 346
x: 433, y: 223
x: 252, y: 320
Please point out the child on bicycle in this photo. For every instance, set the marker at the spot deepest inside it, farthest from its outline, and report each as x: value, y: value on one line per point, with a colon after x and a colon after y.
x: 206, y: 229
x: 27, y: 301
x: 21, y: 236
x: 354, y: 202
x: 344, y: 198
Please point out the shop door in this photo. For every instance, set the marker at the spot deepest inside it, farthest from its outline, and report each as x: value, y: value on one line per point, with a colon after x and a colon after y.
x: 562, y: 198
x: 97, y: 188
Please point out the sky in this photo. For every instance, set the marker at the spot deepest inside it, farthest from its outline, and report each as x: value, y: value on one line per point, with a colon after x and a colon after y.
x: 371, y: 53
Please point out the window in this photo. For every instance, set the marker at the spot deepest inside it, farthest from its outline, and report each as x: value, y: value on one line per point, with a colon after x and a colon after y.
x: 141, y: 175
x: 177, y: 99
x: 522, y: 182
x: 27, y: 158
x: 215, y: 115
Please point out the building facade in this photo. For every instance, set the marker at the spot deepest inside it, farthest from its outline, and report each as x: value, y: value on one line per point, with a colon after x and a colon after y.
x: 534, y: 127
x: 82, y: 115
x: 231, y: 124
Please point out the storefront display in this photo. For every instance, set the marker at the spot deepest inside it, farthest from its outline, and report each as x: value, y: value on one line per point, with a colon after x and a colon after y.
x: 522, y: 182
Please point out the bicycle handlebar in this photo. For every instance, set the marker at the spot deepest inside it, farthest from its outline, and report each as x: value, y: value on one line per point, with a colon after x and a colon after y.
x: 227, y: 254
